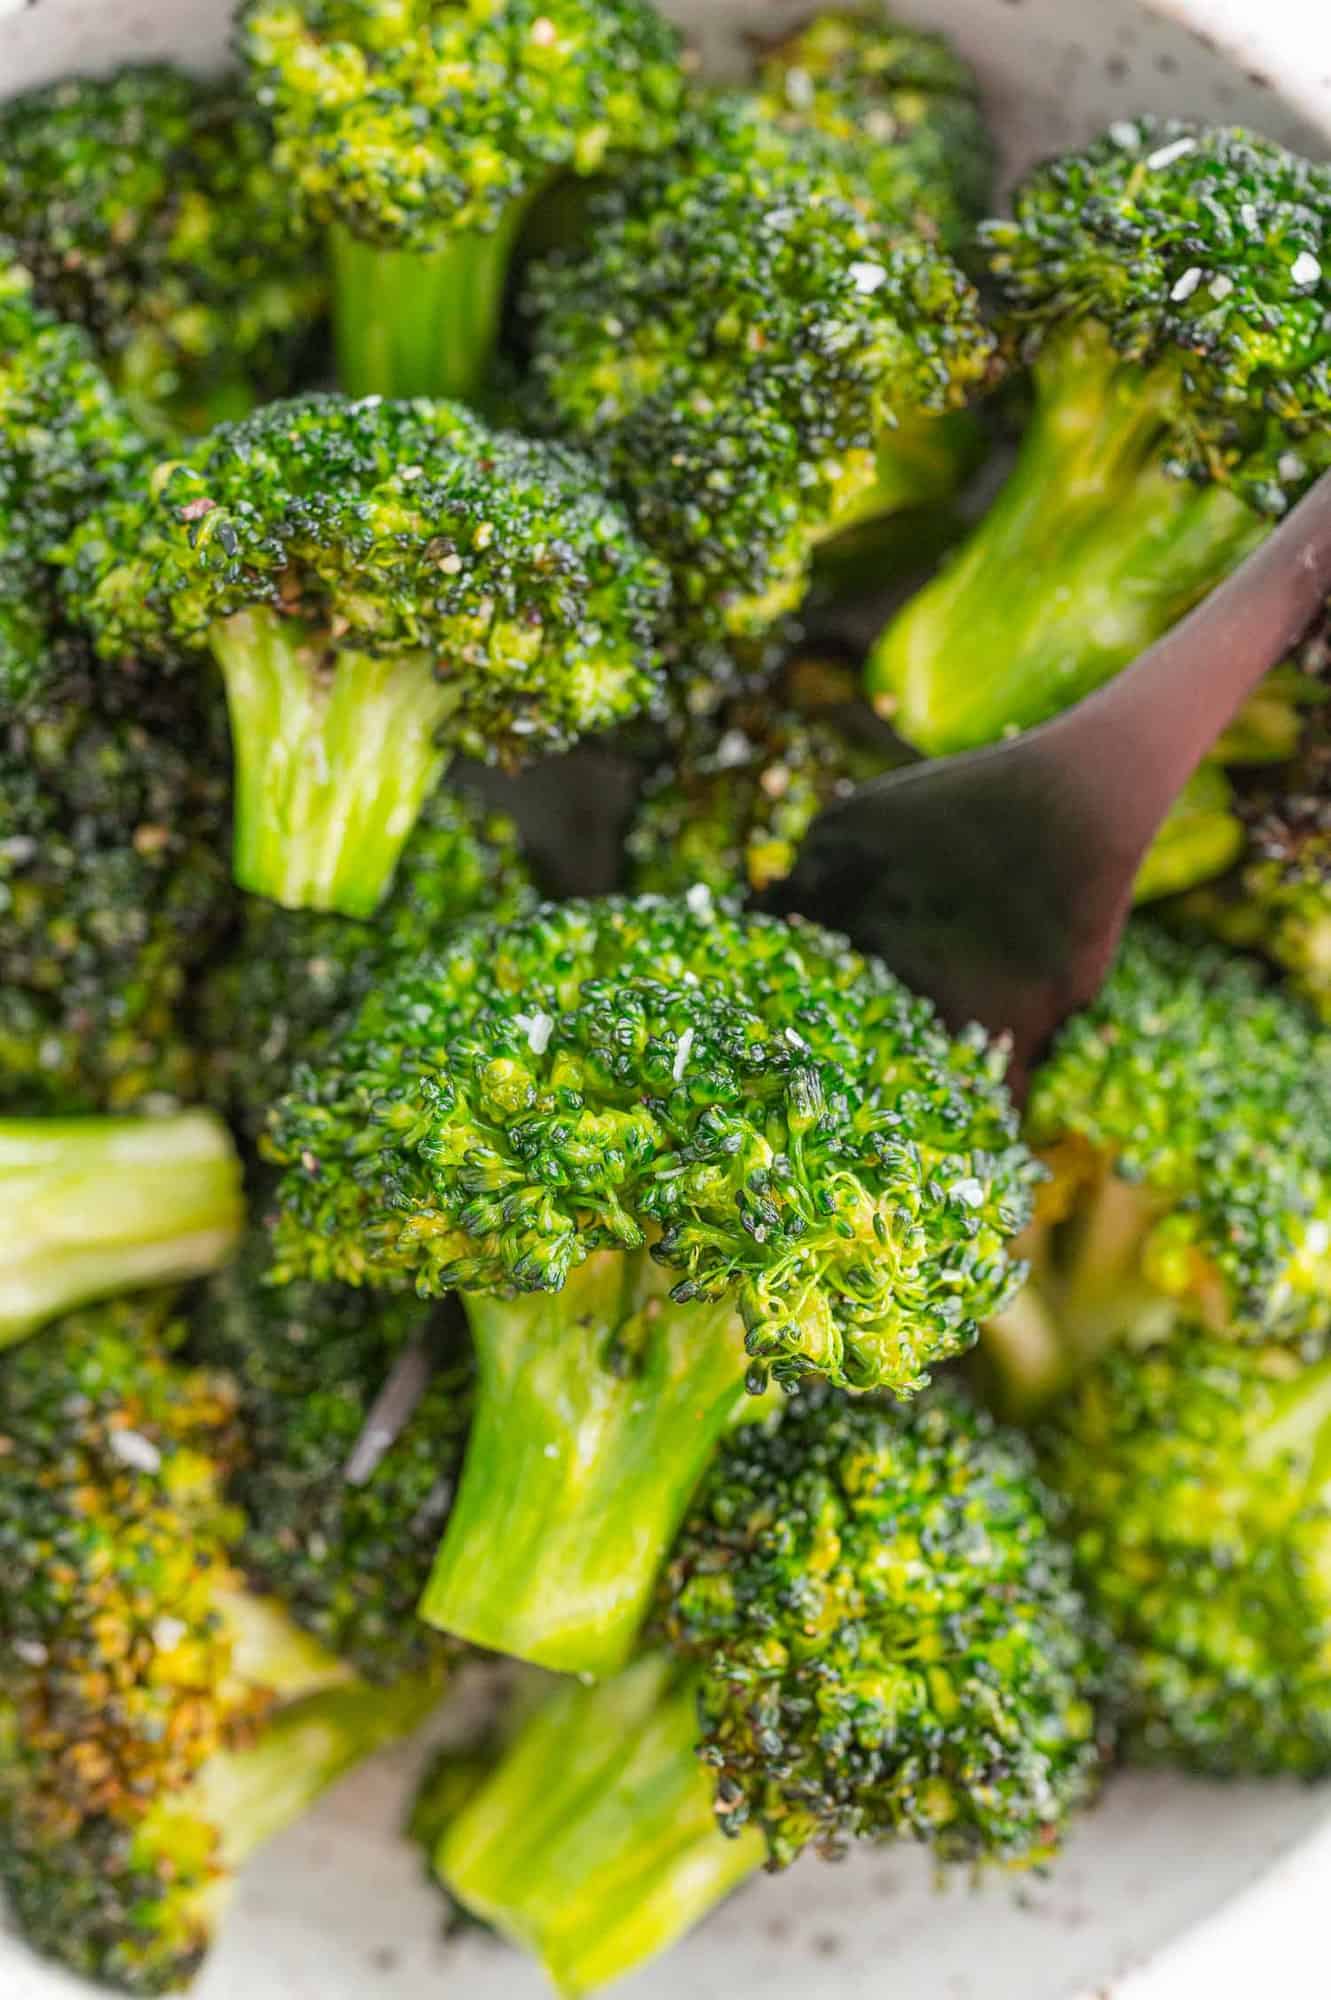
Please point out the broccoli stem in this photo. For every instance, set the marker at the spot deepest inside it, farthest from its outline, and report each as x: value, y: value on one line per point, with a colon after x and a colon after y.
x: 333, y: 762
x: 1201, y: 838
x: 98, y: 1206
x: 595, y: 1844
x: 421, y: 323
x: 1091, y: 551
x: 597, y: 1410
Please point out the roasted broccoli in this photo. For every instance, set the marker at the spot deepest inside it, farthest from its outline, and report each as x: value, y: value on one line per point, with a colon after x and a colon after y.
x: 421, y: 131
x: 903, y: 99
x: 65, y: 442
x: 348, y: 1557
x: 733, y: 805
x: 1186, y: 1120
x: 165, y: 1721
x: 291, y: 976
x: 113, y: 887
x: 759, y: 362
x: 660, y: 1150
x: 1170, y: 286
x: 148, y: 210
x: 96, y: 1206
x: 381, y: 584
x: 1195, y: 1482
x: 870, y: 1631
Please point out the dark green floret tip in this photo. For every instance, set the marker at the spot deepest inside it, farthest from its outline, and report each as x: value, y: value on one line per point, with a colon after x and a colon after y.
x: 1195, y: 1482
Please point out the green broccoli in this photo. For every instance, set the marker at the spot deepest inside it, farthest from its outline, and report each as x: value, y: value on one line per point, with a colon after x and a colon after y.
x: 903, y: 99
x: 148, y: 210
x: 97, y: 1206
x: 381, y: 584
x: 421, y: 131
x: 113, y: 890
x: 760, y: 362
x: 65, y: 443
x: 870, y: 1632
x: 1186, y: 1120
x: 291, y: 976
x: 1195, y: 1482
x: 662, y: 1151
x: 347, y: 1558
x: 164, y: 1720
x: 1170, y: 286
x: 732, y: 807
x: 1200, y: 838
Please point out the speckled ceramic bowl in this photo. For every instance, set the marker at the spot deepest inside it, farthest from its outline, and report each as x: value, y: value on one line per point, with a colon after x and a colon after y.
x: 1172, y: 1891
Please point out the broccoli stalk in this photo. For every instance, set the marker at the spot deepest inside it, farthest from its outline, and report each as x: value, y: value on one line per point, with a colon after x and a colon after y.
x: 582, y: 1459
x: 1171, y: 286
x: 564, y: 1117
x: 382, y: 585
x: 595, y: 1845
x: 98, y: 1206
x: 866, y: 1631
x: 422, y: 136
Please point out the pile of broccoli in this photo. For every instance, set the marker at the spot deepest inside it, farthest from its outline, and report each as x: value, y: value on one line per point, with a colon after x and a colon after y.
x: 406, y: 1271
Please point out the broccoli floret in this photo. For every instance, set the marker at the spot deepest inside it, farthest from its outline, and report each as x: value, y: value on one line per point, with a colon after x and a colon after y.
x: 381, y: 584
x: 1186, y: 1120
x: 165, y: 1720
x: 65, y: 442
x: 1194, y: 1476
x: 348, y: 1559
x: 113, y: 890
x: 903, y: 99
x: 871, y: 1632
x: 1170, y: 287
x: 758, y: 360
x: 148, y: 210
x: 97, y: 1206
x: 293, y: 975
x: 422, y: 131
x: 732, y: 808
x: 660, y: 1150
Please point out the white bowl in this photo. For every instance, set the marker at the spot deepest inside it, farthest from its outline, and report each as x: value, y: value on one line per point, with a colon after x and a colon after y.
x: 1178, y: 1890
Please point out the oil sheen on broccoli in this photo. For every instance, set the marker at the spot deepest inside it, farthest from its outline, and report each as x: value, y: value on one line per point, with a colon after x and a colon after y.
x: 148, y: 209
x: 1196, y: 1479
x: 381, y: 584
x: 1170, y: 288
x: 91, y: 1207
x: 662, y: 1151
x: 758, y: 359
x: 157, y: 1720
x: 1186, y: 1120
x: 869, y: 1632
x: 421, y: 131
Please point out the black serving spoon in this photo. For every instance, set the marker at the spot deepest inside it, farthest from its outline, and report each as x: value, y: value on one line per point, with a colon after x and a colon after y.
x: 998, y: 882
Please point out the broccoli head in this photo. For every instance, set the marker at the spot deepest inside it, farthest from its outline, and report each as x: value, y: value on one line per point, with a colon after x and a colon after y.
x: 903, y: 99
x: 1195, y: 1481
x: 148, y: 210
x: 732, y: 808
x: 112, y: 891
x: 423, y: 130
x: 65, y: 442
x: 661, y: 1150
x: 165, y: 1721
x: 1186, y: 1120
x: 380, y: 583
x: 348, y: 1559
x: 292, y: 976
x: 1170, y: 287
x: 93, y: 1207
x: 761, y: 363
x: 870, y: 1631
